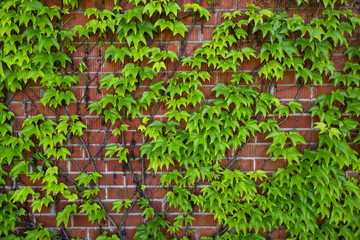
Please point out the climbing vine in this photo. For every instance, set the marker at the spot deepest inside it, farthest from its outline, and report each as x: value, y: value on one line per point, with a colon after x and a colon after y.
x: 188, y: 146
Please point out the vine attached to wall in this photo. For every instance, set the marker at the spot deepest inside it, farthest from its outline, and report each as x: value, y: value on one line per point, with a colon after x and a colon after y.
x: 312, y: 198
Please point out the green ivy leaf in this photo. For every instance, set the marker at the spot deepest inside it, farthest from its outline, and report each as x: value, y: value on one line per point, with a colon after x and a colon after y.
x: 63, y: 215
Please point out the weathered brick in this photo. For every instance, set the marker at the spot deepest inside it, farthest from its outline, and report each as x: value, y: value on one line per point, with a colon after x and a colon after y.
x: 269, y: 165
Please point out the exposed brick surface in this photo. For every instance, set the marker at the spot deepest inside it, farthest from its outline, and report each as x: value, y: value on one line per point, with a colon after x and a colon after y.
x: 118, y: 181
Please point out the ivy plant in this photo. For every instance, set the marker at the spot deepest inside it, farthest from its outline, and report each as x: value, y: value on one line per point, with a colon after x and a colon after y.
x: 313, y: 197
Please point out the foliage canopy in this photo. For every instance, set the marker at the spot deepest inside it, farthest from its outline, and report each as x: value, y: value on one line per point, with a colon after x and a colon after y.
x: 313, y: 197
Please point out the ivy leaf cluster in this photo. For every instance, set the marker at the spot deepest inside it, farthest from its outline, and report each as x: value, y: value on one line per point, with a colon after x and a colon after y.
x: 195, y: 144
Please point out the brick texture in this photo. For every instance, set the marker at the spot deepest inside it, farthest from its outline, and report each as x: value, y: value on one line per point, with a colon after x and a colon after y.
x: 118, y: 180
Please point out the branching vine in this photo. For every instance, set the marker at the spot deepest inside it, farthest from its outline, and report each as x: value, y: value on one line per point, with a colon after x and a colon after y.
x: 314, y: 197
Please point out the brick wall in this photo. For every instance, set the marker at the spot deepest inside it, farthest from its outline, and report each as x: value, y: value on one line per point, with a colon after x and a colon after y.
x: 118, y: 181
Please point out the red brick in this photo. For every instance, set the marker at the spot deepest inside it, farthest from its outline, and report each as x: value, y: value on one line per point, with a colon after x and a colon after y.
x: 75, y: 19
x: 254, y: 151
x: 52, y: 3
x: 83, y: 221
x: 76, y: 232
x: 139, y: 91
x: 204, y: 220
x: 269, y: 165
x: 280, y: 234
x: 156, y: 193
x: 207, y: 91
x: 250, y: 65
x: 76, y: 152
x: 103, y: 4
x: 130, y: 180
x: 131, y: 220
x: 111, y: 179
x: 260, y: 138
x: 47, y: 220
x: 182, y: 68
x: 134, y: 151
x: 339, y: 62
x: 114, y: 165
x: 207, y: 33
x: 168, y: 46
x: 264, y: 4
x: 161, y: 110
x: 77, y: 108
x: 38, y: 108
x: 241, y: 164
x: 93, y: 65
x: 224, y: 4
x: 28, y: 94
x: 190, y: 48
x: 289, y: 78
x: 118, y: 182
x: 17, y: 108
x: 88, y: 79
x: 208, y: 232
x: 225, y: 77
x: 121, y: 193
x: 295, y: 122
x: 309, y: 135
x: 94, y: 233
x: 325, y: 89
x: 167, y: 35
x: 354, y: 175
x: 96, y: 123
x: 87, y: 50
x: 110, y: 67
x: 133, y: 123
x: 133, y: 137
x: 290, y: 92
